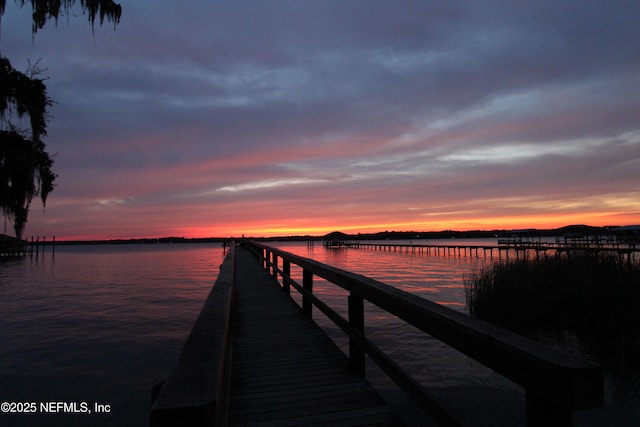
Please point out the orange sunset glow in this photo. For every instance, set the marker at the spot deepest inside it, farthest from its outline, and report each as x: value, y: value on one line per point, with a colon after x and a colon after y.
x: 397, y: 118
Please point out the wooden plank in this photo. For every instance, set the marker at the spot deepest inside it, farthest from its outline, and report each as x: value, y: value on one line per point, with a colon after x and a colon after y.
x: 286, y: 370
x: 352, y: 418
x: 300, y: 392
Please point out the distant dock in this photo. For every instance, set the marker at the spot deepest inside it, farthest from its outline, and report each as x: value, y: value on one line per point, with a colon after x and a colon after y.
x: 10, y: 247
x: 505, y: 246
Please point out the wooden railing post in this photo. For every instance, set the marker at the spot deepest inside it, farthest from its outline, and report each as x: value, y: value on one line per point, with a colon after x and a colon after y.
x: 307, y: 284
x: 274, y: 265
x: 356, y: 324
x: 286, y: 273
x: 268, y: 261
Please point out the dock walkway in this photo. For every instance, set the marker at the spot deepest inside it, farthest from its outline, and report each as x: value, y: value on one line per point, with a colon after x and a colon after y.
x: 254, y: 358
x: 285, y: 370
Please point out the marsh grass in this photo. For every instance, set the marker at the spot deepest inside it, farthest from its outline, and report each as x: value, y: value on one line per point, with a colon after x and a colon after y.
x: 592, y: 297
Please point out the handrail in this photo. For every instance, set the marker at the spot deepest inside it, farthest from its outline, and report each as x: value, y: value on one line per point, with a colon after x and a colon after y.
x: 555, y: 383
x: 196, y: 392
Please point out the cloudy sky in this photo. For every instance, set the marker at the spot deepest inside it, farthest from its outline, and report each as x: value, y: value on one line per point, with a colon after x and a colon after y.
x: 218, y: 118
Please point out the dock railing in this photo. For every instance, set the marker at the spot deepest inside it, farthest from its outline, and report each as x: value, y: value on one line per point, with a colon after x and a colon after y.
x: 555, y: 383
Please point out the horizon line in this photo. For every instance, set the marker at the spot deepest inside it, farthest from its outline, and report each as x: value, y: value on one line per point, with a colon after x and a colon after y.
x: 314, y: 236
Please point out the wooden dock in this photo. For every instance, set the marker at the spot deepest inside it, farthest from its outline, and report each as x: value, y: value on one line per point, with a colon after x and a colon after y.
x: 285, y: 371
x: 255, y: 357
x: 10, y: 247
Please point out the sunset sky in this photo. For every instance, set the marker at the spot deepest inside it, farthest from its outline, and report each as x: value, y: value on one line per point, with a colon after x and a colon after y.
x: 220, y: 118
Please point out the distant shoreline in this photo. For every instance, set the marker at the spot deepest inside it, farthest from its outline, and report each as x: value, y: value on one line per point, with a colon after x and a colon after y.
x: 382, y: 235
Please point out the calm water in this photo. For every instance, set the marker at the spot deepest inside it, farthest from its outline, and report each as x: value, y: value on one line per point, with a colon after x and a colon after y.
x: 103, y: 324
x: 97, y: 324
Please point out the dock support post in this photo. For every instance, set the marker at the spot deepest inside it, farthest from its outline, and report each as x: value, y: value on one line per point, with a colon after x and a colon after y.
x: 307, y: 284
x: 356, y: 324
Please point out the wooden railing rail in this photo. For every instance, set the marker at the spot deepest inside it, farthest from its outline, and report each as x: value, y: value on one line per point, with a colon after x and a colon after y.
x: 555, y: 383
x: 196, y: 392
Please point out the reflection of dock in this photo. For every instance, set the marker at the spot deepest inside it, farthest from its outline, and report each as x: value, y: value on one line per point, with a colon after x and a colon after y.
x: 256, y: 357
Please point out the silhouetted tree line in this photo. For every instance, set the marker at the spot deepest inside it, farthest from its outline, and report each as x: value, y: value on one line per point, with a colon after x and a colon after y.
x: 25, y: 164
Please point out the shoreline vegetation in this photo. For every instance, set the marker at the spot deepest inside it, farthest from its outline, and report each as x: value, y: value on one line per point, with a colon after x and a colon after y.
x: 582, y: 302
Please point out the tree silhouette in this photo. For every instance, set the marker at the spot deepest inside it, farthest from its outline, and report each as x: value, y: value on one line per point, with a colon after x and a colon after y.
x: 25, y: 165
x: 43, y: 10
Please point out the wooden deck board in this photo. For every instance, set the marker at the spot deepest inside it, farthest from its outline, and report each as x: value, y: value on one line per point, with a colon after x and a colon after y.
x: 285, y: 370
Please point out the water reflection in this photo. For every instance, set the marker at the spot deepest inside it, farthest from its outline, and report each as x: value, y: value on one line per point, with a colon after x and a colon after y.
x: 435, y: 277
x: 98, y: 324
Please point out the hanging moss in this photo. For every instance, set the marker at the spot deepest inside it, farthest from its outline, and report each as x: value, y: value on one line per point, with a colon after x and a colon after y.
x: 43, y: 10
x: 25, y: 165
